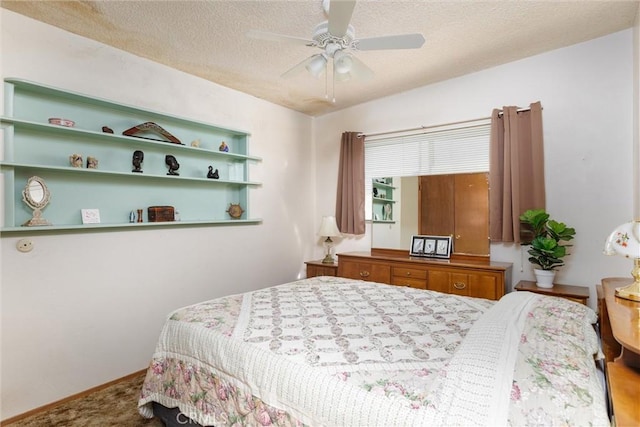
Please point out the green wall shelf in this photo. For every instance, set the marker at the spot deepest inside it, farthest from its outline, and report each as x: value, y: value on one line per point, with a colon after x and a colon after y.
x: 33, y: 147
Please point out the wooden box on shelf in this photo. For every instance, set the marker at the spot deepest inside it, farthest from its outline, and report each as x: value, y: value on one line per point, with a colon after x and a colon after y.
x: 160, y: 213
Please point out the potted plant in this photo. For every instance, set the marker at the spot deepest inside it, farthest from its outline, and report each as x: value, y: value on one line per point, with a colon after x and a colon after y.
x: 546, y: 249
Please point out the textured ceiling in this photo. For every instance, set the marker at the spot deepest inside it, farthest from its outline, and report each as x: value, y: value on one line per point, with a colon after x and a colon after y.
x: 208, y: 39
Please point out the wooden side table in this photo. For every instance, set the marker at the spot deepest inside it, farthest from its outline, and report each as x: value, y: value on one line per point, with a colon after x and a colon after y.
x: 621, y: 319
x: 318, y: 268
x: 575, y: 293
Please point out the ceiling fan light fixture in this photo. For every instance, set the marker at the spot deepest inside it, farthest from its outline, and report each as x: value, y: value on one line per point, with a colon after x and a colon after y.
x: 342, y: 62
x: 317, y: 65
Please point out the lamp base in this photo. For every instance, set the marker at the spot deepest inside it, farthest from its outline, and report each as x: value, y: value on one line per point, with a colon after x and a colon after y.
x: 631, y: 292
x: 328, y: 259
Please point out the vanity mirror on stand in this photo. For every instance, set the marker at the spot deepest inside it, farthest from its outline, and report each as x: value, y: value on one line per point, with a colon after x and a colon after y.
x: 36, y: 195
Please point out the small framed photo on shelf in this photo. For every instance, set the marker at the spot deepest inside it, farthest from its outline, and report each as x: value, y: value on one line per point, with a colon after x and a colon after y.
x: 431, y: 246
x: 90, y: 216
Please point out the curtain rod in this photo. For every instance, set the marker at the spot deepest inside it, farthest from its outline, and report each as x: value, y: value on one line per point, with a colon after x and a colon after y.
x: 519, y: 110
x: 422, y: 127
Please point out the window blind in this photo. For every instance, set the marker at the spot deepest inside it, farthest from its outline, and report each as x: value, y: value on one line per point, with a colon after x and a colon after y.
x: 433, y: 151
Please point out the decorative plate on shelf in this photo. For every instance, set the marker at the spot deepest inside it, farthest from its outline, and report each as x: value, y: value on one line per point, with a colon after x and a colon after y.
x: 235, y: 210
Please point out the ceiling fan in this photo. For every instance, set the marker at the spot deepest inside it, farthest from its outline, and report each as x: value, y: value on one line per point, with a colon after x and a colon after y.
x: 336, y: 38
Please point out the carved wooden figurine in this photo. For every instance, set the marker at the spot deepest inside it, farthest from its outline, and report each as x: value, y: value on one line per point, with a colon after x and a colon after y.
x: 172, y: 164
x: 138, y: 158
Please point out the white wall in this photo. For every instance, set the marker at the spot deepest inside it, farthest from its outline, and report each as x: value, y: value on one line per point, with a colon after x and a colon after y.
x: 84, y: 309
x: 586, y: 92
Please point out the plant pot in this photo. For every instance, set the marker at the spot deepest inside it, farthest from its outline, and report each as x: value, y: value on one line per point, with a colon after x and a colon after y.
x: 544, y: 278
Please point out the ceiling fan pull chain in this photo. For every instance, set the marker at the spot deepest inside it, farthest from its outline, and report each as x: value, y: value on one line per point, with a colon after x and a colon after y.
x: 333, y: 83
x: 326, y: 81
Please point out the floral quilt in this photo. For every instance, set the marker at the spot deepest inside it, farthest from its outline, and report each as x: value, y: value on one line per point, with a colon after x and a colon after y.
x: 334, y: 351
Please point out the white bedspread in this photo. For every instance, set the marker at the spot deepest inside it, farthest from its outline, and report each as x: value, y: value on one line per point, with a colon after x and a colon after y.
x: 475, y: 387
x: 338, y: 352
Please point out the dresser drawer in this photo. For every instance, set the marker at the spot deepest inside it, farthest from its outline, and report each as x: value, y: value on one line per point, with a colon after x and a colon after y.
x: 409, y: 273
x: 372, y: 272
x: 411, y: 282
x: 487, y: 285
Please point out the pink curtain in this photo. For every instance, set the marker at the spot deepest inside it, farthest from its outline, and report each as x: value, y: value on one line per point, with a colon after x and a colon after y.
x: 350, y: 198
x: 516, y: 169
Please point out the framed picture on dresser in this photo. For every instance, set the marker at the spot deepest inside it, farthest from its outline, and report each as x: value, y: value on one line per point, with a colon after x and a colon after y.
x: 431, y: 246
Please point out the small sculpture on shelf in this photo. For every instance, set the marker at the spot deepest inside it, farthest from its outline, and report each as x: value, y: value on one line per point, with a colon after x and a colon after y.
x: 144, y: 128
x: 172, y: 163
x: 75, y: 160
x: 138, y: 158
x: 92, y: 162
x: 195, y: 143
x: 224, y: 147
x: 211, y: 174
x: 235, y: 211
x: 107, y: 129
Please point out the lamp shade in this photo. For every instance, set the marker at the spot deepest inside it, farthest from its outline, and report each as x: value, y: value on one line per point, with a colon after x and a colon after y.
x: 317, y: 65
x: 328, y: 227
x: 624, y: 240
x: 342, y: 62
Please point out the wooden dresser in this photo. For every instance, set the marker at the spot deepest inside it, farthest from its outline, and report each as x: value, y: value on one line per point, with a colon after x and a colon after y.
x: 620, y: 333
x: 477, y: 278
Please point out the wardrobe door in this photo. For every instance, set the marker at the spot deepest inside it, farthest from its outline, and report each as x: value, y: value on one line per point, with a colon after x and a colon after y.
x: 471, y: 214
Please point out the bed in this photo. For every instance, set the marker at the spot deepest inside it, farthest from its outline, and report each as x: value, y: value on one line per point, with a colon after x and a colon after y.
x: 341, y: 352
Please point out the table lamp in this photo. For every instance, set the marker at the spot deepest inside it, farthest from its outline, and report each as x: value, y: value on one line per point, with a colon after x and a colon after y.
x: 328, y: 229
x: 625, y: 241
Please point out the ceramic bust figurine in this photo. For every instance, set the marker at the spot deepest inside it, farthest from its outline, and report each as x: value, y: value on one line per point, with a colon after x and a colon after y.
x: 92, y: 163
x: 172, y: 164
x: 138, y: 158
x: 75, y: 160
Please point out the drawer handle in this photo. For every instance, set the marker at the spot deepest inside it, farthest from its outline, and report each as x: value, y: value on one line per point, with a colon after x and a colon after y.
x: 408, y: 273
x: 459, y: 285
x: 364, y: 274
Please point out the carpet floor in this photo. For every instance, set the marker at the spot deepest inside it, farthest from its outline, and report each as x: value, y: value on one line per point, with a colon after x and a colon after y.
x: 116, y: 405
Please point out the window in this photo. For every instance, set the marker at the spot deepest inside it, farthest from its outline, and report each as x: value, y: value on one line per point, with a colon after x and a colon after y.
x: 437, y: 150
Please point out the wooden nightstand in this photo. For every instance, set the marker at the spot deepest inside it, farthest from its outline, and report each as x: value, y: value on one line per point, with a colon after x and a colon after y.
x: 620, y: 333
x: 317, y: 268
x: 575, y: 293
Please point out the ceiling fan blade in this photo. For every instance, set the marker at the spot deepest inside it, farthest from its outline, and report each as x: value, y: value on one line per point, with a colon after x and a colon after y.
x: 340, y: 12
x: 401, y: 41
x: 263, y: 35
